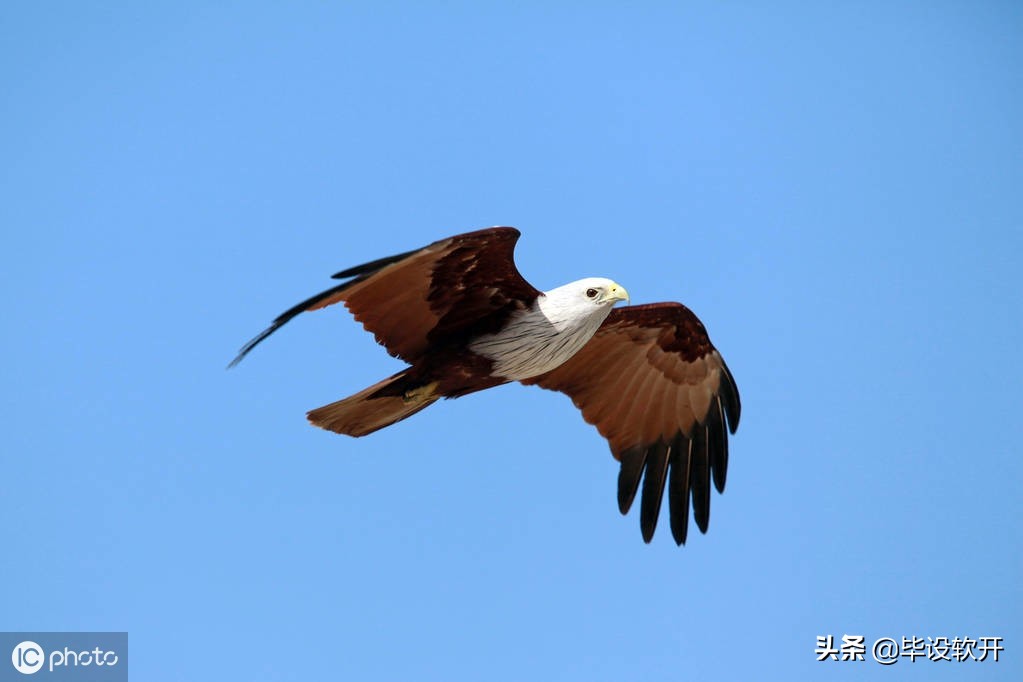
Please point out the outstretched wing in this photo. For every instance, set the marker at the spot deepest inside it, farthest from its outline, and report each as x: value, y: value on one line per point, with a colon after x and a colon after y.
x: 653, y: 384
x: 448, y: 291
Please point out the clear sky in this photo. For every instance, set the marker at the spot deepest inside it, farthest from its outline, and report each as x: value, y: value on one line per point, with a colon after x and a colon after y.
x: 834, y: 188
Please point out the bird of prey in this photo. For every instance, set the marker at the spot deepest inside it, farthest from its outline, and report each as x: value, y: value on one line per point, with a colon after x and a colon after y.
x: 464, y: 319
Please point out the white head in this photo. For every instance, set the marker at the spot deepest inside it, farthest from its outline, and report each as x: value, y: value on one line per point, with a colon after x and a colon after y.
x: 574, y: 302
x: 538, y: 339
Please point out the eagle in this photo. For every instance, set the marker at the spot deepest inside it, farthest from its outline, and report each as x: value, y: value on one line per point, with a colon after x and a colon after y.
x: 464, y: 319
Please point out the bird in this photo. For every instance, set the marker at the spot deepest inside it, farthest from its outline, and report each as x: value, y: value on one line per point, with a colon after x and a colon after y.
x: 464, y: 319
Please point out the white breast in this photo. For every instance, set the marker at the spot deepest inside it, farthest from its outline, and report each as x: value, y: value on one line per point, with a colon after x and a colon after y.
x: 539, y: 339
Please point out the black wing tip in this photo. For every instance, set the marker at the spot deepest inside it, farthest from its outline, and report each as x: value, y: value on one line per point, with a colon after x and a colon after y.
x: 717, y: 444
x: 629, y: 475
x: 372, y: 266
x: 678, y: 488
x: 689, y: 467
x: 684, y: 468
x: 655, y: 477
x: 641, y: 463
x: 700, y: 483
x: 730, y: 392
x: 286, y: 317
x: 247, y: 348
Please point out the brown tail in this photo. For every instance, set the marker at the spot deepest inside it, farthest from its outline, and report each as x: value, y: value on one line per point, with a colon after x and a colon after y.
x: 362, y: 413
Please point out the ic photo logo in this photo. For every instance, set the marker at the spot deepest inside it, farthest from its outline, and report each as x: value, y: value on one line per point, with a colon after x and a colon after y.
x: 27, y: 657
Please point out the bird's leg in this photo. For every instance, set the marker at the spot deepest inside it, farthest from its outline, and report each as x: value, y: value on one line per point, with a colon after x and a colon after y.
x: 420, y: 393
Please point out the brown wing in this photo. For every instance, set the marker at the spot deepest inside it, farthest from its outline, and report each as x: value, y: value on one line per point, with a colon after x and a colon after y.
x: 653, y: 384
x: 443, y: 293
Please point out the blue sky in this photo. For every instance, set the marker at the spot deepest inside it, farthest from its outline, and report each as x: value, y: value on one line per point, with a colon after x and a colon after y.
x: 834, y: 190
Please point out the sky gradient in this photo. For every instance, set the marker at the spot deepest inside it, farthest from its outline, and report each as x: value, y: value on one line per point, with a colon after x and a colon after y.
x: 834, y: 190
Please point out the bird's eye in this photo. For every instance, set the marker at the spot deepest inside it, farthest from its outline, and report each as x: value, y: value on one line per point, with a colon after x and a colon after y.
x: 590, y: 293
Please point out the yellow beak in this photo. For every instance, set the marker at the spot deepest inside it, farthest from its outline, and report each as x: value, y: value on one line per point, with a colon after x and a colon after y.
x: 616, y: 292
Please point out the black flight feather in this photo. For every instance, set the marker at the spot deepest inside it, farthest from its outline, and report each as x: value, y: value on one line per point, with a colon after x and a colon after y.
x: 679, y: 462
x: 653, y: 488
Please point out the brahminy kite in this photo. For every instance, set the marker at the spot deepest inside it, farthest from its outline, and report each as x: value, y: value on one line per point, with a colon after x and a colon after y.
x: 464, y: 319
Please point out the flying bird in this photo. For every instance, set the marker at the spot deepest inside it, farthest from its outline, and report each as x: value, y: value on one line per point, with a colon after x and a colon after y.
x: 464, y: 319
